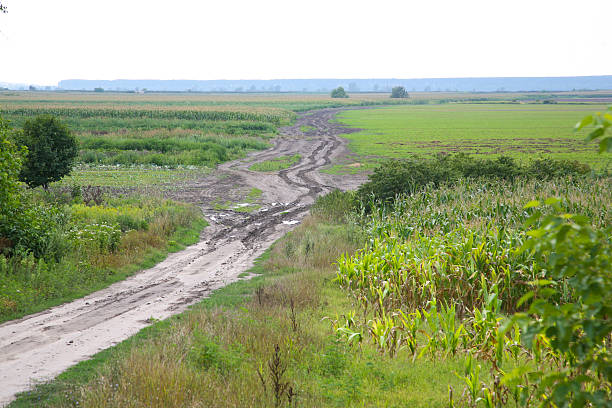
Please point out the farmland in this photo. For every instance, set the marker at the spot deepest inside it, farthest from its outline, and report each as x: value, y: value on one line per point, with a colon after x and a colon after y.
x: 521, y: 131
x: 149, y: 140
x: 324, y: 317
x: 411, y: 300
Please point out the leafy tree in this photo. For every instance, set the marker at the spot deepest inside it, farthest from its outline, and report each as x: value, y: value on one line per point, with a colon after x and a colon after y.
x: 11, y: 158
x: 577, y: 260
x: 339, y: 92
x: 51, y: 151
x: 578, y: 331
x: 399, y: 92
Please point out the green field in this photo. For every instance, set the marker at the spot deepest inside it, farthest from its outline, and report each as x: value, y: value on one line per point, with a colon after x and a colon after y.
x: 133, y: 176
x: 136, y: 140
x: 516, y: 130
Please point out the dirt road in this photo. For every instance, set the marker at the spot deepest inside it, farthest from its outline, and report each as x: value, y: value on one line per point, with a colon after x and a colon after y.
x: 40, y: 346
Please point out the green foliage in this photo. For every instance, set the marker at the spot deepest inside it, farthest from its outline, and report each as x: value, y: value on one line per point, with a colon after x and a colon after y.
x: 399, y: 92
x: 395, y: 177
x: 445, y: 267
x: 601, y: 123
x: 24, y: 226
x: 335, y: 206
x: 51, y: 151
x: 271, y: 115
x: 192, y: 150
x: 207, y: 354
x: 61, y: 250
x: 11, y: 158
x: 339, y: 92
x: 578, y: 329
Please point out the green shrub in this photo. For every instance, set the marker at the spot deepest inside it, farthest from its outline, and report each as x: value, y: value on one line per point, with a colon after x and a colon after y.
x: 399, y: 92
x: 339, y: 92
x: 395, y: 177
x: 546, y: 169
x: 37, y: 228
x: 503, y: 167
x: 207, y: 354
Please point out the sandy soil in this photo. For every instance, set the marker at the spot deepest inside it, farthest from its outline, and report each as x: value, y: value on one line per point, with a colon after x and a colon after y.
x: 40, y: 346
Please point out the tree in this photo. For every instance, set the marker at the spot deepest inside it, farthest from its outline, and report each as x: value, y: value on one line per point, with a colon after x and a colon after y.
x: 2, y: 8
x: 11, y: 158
x: 399, y: 92
x: 339, y: 93
x: 51, y: 151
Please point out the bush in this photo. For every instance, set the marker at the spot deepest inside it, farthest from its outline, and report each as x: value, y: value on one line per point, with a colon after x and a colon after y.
x: 339, y: 92
x: 51, y: 151
x: 37, y: 229
x: 547, y: 169
x: 399, y: 92
x: 396, y: 177
x: 11, y: 158
x: 503, y: 167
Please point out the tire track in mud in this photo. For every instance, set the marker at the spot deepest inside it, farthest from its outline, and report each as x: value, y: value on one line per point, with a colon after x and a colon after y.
x: 40, y: 346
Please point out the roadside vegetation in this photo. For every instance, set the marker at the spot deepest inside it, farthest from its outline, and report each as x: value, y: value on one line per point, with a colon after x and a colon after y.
x: 412, y: 314
x: 57, y: 244
x: 452, y: 280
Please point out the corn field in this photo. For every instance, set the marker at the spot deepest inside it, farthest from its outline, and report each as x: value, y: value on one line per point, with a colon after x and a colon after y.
x: 216, y: 113
x: 445, y: 271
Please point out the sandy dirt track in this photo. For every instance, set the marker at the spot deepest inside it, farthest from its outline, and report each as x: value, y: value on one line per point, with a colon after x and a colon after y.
x: 40, y: 346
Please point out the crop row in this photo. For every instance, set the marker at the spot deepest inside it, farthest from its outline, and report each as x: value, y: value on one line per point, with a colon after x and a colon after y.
x: 445, y: 269
x: 217, y: 113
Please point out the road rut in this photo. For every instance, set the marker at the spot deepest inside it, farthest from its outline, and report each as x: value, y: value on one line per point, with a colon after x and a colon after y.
x: 40, y: 346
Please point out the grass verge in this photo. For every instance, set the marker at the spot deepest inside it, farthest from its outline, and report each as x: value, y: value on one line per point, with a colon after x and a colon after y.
x: 245, y: 341
x: 181, y: 238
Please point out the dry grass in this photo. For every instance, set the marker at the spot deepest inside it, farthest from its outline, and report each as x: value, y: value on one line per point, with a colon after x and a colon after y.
x: 211, y: 356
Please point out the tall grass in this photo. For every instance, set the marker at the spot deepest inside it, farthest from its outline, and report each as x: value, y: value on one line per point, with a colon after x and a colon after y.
x: 95, y: 246
x: 222, y: 353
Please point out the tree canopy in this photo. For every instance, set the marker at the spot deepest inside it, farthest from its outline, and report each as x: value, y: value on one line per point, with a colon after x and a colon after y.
x: 399, y: 92
x: 51, y: 151
x: 339, y: 92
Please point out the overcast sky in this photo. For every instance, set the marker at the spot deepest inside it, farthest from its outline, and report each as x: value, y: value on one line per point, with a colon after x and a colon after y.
x: 44, y: 41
